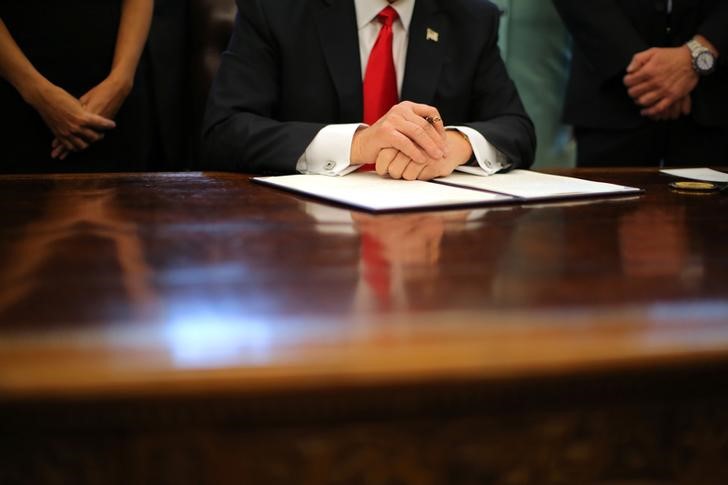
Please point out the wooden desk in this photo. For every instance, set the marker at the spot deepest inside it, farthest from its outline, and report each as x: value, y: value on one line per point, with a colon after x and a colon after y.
x: 198, y: 328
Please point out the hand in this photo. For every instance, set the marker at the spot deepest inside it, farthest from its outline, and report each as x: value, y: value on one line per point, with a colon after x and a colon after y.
x: 405, y: 239
x: 677, y: 109
x: 659, y: 77
x: 409, y: 239
x: 405, y: 129
x: 397, y: 165
x: 105, y: 100
x: 73, y: 125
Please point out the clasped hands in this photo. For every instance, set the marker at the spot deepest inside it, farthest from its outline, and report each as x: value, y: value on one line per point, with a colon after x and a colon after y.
x: 77, y: 123
x: 403, y: 144
x: 660, y: 81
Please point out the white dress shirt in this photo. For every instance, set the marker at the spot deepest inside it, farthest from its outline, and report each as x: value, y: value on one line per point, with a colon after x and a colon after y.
x: 329, y: 151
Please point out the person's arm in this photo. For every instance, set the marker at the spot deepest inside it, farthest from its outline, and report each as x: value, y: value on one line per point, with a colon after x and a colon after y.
x: 64, y: 115
x: 136, y: 19
x: 239, y: 131
x: 498, y: 133
x: 107, y: 97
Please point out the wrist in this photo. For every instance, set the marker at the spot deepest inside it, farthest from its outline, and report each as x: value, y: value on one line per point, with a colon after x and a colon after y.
x: 34, y: 90
x: 703, y: 56
x: 460, y: 148
x: 121, y: 81
x: 355, y: 156
x: 708, y: 45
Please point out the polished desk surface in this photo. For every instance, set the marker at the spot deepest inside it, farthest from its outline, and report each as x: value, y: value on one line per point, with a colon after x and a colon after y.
x: 199, y: 328
x: 174, y: 284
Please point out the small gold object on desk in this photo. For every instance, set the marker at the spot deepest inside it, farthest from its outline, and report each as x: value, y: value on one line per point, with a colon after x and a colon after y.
x: 686, y: 186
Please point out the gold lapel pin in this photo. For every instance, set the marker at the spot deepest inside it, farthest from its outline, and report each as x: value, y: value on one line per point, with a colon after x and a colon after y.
x: 432, y: 35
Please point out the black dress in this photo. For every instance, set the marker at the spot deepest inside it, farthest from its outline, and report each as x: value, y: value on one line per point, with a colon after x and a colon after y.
x: 72, y: 44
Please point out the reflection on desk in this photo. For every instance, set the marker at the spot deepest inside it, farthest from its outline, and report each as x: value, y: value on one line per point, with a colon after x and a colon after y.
x: 198, y: 328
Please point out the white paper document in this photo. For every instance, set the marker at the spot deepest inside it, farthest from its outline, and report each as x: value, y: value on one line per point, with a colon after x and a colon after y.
x: 529, y: 185
x: 369, y: 191
x: 703, y: 174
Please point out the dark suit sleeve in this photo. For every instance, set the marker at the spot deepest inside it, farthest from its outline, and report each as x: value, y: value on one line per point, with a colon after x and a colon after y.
x: 506, y: 124
x: 715, y: 29
x: 239, y: 129
x: 603, y: 33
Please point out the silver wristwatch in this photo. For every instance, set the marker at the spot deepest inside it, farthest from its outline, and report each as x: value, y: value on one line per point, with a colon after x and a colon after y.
x: 703, y: 59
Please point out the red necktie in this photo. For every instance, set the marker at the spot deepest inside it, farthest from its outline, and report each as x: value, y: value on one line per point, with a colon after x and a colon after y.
x: 380, y: 79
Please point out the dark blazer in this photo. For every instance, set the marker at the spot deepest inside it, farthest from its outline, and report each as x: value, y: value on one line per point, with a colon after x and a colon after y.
x: 293, y: 67
x: 607, y: 33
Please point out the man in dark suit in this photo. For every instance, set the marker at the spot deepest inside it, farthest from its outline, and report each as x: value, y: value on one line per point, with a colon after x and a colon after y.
x: 289, y: 93
x: 649, y: 81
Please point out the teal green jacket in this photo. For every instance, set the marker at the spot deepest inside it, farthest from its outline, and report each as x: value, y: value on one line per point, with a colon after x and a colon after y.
x: 536, y: 48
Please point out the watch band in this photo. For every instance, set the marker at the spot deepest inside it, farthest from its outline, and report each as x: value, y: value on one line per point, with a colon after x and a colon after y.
x: 695, y: 46
x: 702, y: 58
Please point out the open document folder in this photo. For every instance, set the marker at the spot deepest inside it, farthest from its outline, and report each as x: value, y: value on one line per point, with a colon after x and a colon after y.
x: 367, y: 190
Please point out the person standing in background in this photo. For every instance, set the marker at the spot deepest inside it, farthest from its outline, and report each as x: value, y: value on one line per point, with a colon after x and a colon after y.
x: 536, y: 48
x: 649, y: 81
x: 69, y: 69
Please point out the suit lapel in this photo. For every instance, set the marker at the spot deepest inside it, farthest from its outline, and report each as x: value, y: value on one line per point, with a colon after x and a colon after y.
x: 425, y: 53
x: 338, y: 32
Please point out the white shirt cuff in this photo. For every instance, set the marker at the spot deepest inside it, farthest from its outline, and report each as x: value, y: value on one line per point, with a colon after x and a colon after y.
x: 490, y: 159
x: 329, y: 151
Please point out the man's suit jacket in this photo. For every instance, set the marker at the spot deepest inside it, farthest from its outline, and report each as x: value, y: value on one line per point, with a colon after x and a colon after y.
x: 293, y: 67
x: 607, y: 33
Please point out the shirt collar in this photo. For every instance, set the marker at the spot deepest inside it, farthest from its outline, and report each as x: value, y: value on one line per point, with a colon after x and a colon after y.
x: 367, y: 10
